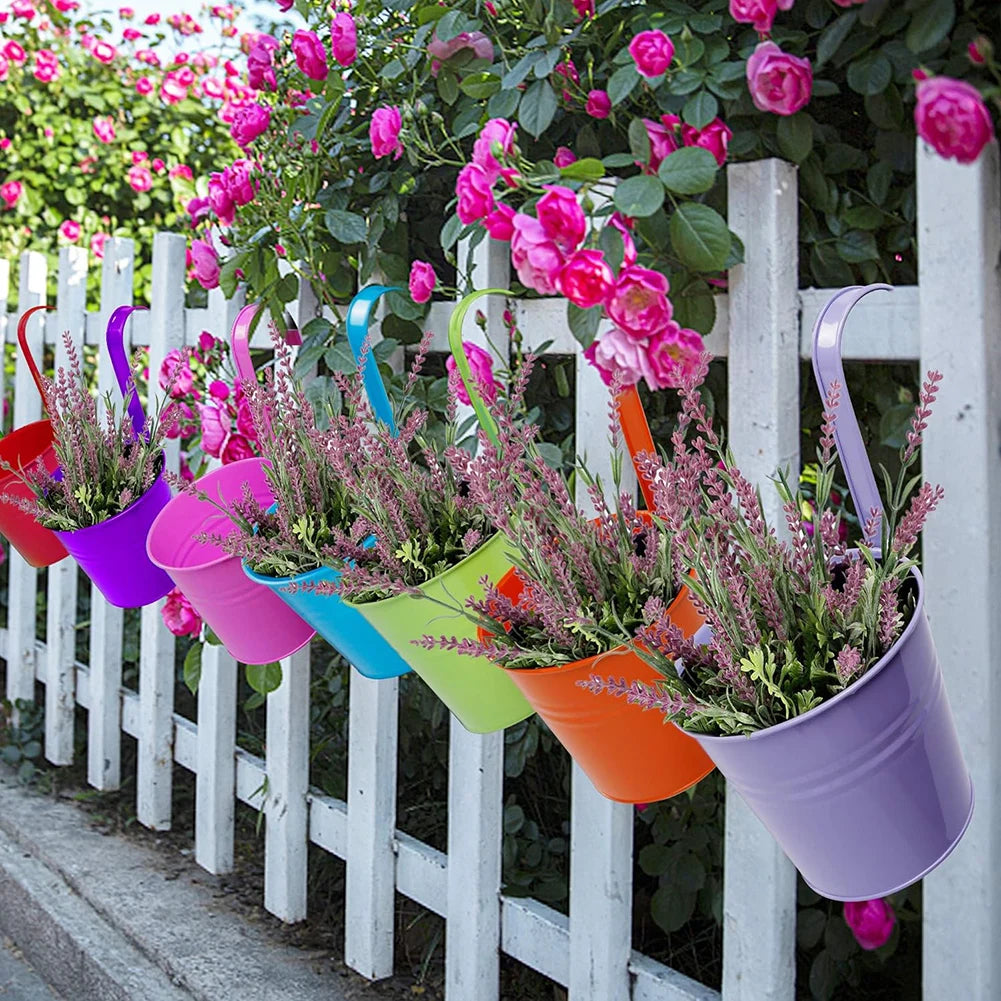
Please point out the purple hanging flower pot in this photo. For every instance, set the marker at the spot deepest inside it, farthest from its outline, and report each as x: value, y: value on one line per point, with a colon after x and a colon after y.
x: 868, y: 792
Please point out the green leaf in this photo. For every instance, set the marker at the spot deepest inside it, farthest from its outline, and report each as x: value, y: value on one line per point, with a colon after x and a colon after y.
x: 345, y: 227
x: 838, y: 939
x: 700, y: 237
x: 695, y: 307
x: 654, y: 859
x: 621, y: 83
x: 824, y: 977
x: 688, y: 171
x: 878, y: 181
x: 639, y: 196
x: 832, y: 36
x: 264, y: 678
x: 514, y: 818
x: 504, y: 103
x: 639, y: 142
x: 810, y: 923
x: 519, y: 71
x: 930, y: 25
x: 856, y: 246
x: 583, y: 323
x: 863, y: 217
x: 538, y: 106
x: 871, y: 74
x: 480, y: 85
x: 613, y: 246
x: 671, y: 909
x: 885, y: 110
x: 587, y: 169
x: 700, y: 109
x: 450, y: 231
x: 551, y: 454
x: 193, y: 668
x: 795, y: 136
x: 448, y: 85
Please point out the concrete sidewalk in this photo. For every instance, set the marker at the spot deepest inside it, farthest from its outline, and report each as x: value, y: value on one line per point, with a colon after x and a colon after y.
x: 18, y: 981
x: 103, y: 918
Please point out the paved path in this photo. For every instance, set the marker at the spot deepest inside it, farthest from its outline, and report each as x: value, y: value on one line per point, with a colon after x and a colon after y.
x: 18, y: 981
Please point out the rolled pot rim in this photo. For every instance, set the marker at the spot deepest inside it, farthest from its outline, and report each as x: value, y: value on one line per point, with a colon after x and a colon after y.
x: 851, y: 690
x: 498, y: 538
x: 121, y: 514
x: 215, y: 560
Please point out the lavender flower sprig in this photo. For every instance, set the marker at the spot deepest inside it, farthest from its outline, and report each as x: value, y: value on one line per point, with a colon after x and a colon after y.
x: 104, y: 466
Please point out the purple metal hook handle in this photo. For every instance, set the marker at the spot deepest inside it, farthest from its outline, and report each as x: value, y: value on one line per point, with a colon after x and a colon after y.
x: 240, y: 342
x: 115, y: 337
x: 827, y: 368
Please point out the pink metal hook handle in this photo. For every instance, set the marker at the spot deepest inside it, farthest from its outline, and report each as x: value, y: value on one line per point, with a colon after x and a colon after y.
x: 240, y: 342
x: 827, y: 368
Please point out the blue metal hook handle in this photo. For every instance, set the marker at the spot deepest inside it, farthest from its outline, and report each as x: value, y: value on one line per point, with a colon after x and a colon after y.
x: 359, y: 314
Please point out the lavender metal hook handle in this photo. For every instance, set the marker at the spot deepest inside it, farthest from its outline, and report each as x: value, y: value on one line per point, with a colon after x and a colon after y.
x: 115, y: 337
x: 240, y: 342
x: 827, y: 368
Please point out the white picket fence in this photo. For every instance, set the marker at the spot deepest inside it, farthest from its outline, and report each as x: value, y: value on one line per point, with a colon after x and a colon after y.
x: 950, y: 321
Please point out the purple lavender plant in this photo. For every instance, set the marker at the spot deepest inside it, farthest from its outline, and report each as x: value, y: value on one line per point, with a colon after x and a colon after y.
x: 104, y: 466
x: 794, y: 621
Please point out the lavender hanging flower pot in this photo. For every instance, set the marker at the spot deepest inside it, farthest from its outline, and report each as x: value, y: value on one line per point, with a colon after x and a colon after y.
x: 113, y: 552
x: 867, y: 792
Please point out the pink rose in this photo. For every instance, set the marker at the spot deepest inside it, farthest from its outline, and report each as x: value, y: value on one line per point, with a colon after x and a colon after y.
x: 586, y: 279
x: 440, y: 51
x: 562, y: 217
x: 70, y: 230
x: 639, y: 305
x: 652, y: 51
x: 384, y: 132
x: 249, y: 122
x: 46, y: 66
x: 218, y: 390
x: 14, y: 53
x: 616, y: 352
x: 179, y: 616
x: 871, y: 922
x: 219, y: 199
x: 11, y: 193
x: 475, y: 193
x: 144, y: 86
x: 422, y: 281
x: 215, y: 428
x: 236, y: 448
x: 760, y: 13
x: 599, y: 104
x: 778, y: 82
x: 584, y: 8
x: 536, y: 257
x: 181, y: 170
x: 131, y: 34
x: 139, y: 156
x: 482, y: 366
x: 239, y: 183
x: 104, y: 129
x: 206, y: 264
x: 104, y: 52
x: 715, y: 137
x: 952, y: 118
x: 97, y: 242
x: 198, y: 209
x: 563, y: 157
x: 568, y: 71
x: 672, y: 355
x: 501, y: 132
x: 343, y: 38
x: 176, y: 373
x: 499, y: 222
x: 310, y: 55
x: 244, y: 418
x: 285, y: 5
x: 140, y: 179
x: 663, y: 140
x: 260, y: 68
x: 152, y: 19
x: 4, y: 67
x: 178, y: 419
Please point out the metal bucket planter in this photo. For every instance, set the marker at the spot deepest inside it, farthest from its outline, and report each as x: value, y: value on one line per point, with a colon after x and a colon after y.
x: 113, y: 552
x: 479, y: 694
x: 868, y: 792
x: 253, y: 622
x: 629, y: 755
x: 339, y: 624
x: 38, y: 546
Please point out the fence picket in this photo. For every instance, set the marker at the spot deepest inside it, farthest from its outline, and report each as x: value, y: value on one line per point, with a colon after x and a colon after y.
x: 759, y: 882
x: 60, y: 701
x: 960, y: 300
x: 286, y: 808
x: 23, y: 579
x: 154, y: 780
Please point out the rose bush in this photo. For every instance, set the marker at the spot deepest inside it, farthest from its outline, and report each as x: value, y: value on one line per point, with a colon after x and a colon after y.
x: 108, y: 127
